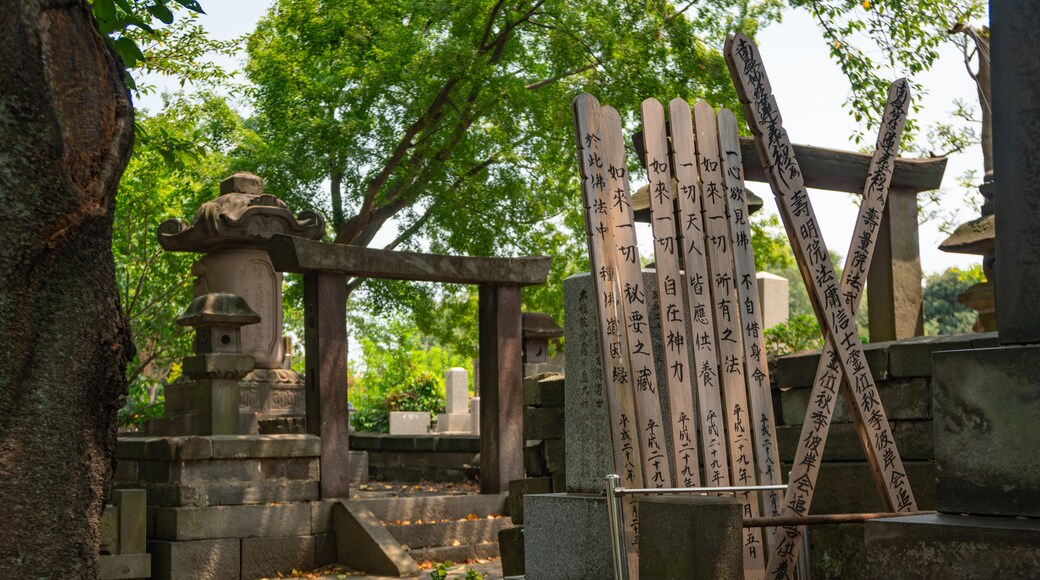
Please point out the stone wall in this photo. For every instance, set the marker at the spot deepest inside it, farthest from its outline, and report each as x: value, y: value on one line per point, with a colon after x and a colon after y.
x: 415, y: 458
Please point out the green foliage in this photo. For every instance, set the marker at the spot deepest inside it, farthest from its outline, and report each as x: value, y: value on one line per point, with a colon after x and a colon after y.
x: 448, y: 122
x: 943, y: 314
x: 161, y: 183
x: 401, y: 369
x: 800, y: 332
x: 772, y: 248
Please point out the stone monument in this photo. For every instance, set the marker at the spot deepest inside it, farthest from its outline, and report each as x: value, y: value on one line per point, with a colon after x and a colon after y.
x: 456, y: 418
x: 231, y: 232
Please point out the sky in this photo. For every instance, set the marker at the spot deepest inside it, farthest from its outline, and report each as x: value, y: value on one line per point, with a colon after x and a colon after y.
x: 810, y: 91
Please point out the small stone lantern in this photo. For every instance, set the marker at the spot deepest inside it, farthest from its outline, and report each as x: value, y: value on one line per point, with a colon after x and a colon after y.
x: 537, y: 329
x: 218, y: 363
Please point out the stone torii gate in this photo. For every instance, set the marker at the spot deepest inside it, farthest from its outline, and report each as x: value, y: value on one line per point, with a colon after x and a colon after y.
x: 325, y: 268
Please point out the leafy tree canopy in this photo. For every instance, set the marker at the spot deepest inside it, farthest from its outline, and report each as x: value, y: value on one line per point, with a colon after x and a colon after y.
x: 943, y: 313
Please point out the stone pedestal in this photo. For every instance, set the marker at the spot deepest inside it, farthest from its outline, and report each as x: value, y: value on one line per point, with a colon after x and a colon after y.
x: 456, y: 419
x: 566, y: 537
x: 691, y: 537
x: 409, y: 423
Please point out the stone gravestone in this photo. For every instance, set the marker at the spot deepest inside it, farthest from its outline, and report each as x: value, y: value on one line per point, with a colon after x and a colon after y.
x: 456, y: 418
x: 773, y: 294
x: 409, y: 423
x: 231, y: 232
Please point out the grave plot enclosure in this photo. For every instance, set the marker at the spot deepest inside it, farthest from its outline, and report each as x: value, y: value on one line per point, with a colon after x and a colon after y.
x: 326, y: 267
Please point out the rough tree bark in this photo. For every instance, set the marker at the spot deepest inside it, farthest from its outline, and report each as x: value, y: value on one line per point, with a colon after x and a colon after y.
x: 66, y: 128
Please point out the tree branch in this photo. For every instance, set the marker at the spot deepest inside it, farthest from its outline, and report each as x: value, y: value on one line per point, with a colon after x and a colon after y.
x: 567, y: 73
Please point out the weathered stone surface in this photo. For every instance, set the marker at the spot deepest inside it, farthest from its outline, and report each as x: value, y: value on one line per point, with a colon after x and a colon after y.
x: 555, y: 454
x: 215, y: 559
x: 132, y: 519
x: 915, y: 440
x: 452, y: 533
x: 454, y: 423
x: 324, y: 549
x: 364, y: 544
x: 545, y: 390
x: 358, y: 467
x: 953, y: 546
x: 799, y: 369
x: 543, y: 423
x: 838, y: 552
x: 164, y: 448
x: 243, y: 446
x: 386, y: 442
x: 534, y: 461
x: 773, y: 293
x: 847, y: 487
x: 567, y: 537
x: 518, y: 488
x: 690, y: 537
x: 987, y: 403
x: 456, y: 391
x: 511, y: 548
x: 127, y: 566
x: 246, y: 521
x: 912, y: 357
x: 409, y: 423
x: 265, y: 557
x: 442, y: 507
x: 902, y: 399
x: 200, y: 494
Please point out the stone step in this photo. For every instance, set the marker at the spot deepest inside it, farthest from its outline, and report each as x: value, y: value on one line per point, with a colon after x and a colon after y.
x: 441, y: 507
x: 456, y: 554
x: 449, y: 533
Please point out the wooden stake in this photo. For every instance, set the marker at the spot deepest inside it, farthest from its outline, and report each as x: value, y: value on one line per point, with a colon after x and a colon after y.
x: 723, y: 285
x: 784, y: 175
x: 767, y: 457
x: 829, y: 373
x: 631, y: 298
x: 682, y: 415
x: 702, y: 324
x: 613, y: 342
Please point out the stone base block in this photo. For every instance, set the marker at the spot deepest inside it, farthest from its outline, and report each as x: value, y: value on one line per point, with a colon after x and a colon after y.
x: 518, y: 488
x: 953, y: 546
x: 211, y: 559
x: 264, y: 557
x: 690, y: 537
x: 566, y: 537
x: 454, y: 423
x: 244, y: 521
x: 358, y: 461
x: 120, y: 566
x: 511, y: 548
x: 987, y: 402
x: 409, y: 423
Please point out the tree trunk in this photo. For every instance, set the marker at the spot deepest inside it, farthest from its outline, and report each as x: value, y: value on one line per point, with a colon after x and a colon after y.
x: 336, y: 180
x: 66, y: 128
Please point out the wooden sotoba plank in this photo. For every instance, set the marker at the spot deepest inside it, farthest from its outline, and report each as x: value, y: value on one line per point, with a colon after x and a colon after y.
x: 682, y: 415
x: 749, y: 76
x: 829, y: 374
x: 728, y: 326
x: 767, y: 457
x: 613, y: 342
x: 702, y: 324
x: 293, y: 254
x: 632, y: 299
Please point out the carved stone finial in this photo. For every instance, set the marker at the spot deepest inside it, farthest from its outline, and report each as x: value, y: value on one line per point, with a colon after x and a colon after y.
x: 242, y: 217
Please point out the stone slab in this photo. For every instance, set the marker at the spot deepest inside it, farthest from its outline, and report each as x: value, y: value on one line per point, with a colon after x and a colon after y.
x: 915, y: 440
x: 441, y: 507
x: 518, y: 488
x: 555, y: 454
x: 201, y: 494
x: 358, y: 467
x: 773, y: 294
x: 133, y: 519
x: 416, y: 535
x: 409, y: 423
x: 122, y: 566
x: 456, y: 389
x: 545, y: 390
x: 848, y: 487
x: 218, y: 446
x: 454, y: 423
x: 433, y: 442
x: 364, y: 544
x: 268, y: 557
x: 211, y: 559
x: 543, y: 423
x: 902, y: 399
x: 324, y: 550
x: 511, y: 548
x: 987, y: 404
x: 799, y: 369
x: 690, y: 537
x: 534, y: 461
x: 912, y: 357
x: 566, y: 537
x: 246, y: 521
x: 953, y: 546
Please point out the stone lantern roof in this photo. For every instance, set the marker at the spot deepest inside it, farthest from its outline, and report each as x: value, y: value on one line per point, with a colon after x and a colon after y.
x: 218, y: 308
x: 539, y: 325
x: 242, y: 217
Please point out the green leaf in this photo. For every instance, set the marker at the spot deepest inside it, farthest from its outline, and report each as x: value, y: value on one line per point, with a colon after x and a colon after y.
x: 160, y: 11
x: 191, y: 5
x: 129, y: 51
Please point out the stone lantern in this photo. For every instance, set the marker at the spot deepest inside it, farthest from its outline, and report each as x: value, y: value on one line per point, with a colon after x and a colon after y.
x: 979, y: 237
x: 231, y: 232
x: 538, y: 329
x: 218, y: 363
